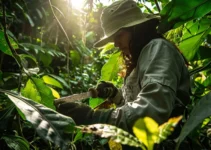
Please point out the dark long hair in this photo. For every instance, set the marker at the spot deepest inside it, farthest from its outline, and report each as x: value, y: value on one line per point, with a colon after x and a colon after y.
x: 141, y: 35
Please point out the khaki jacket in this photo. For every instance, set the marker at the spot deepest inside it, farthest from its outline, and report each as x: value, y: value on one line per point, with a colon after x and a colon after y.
x: 153, y: 88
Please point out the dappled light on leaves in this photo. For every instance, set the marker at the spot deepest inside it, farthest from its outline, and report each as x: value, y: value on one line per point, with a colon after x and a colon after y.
x: 146, y: 130
x: 116, y: 134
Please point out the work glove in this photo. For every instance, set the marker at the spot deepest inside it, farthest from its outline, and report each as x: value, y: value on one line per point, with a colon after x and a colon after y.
x: 83, y: 114
x: 106, y: 90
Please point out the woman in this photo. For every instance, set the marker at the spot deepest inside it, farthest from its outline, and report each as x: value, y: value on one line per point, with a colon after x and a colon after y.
x: 156, y: 80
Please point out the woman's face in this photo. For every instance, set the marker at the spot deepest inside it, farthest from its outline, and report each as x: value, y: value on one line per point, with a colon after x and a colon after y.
x: 122, y: 41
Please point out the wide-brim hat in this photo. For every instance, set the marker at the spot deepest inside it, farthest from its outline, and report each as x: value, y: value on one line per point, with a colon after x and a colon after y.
x: 121, y: 14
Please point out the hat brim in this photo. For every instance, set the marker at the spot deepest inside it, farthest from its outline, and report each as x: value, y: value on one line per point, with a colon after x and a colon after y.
x: 109, y: 38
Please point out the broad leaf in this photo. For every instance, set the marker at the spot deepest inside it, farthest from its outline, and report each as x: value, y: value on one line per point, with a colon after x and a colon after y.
x: 75, y: 57
x: 16, y: 142
x: 5, y: 116
x: 110, y: 69
x: 106, y: 48
x: 193, y: 37
x: 78, y: 136
x: 114, y: 145
x: 37, y: 90
x: 26, y: 15
x: 61, y: 80
x: 207, y: 81
x: 182, y: 11
x: 51, y: 81
x: 55, y: 93
x: 24, y: 56
x: 45, y: 58
x: 4, y: 46
x: 49, y: 124
x: 93, y: 102
x: 199, y: 113
x: 146, y: 130
x: 116, y: 134
x: 44, y: 55
x: 167, y: 128
x: 203, y: 53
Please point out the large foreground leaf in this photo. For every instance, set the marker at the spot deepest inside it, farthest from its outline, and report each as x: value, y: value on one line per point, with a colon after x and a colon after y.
x: 146, y: 130
x: 49, y: 124
x: 177, y: 12
x: 111, y: 68
x: 15, y: 142
x: 36, y: 90
x: 5, y: 117
x: 4, y: 46
x: 199, y: 113
x: 116, y: 134
x: 193, y: 36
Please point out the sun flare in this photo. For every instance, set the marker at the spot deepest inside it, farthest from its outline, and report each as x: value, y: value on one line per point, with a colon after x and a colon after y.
x: 77, y: 4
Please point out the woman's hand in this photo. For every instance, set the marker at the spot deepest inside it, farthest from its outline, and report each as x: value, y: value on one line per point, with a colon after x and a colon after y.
x: 106, y: 90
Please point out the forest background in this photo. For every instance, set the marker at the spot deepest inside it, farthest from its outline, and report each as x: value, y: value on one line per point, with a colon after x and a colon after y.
x: 46, y: 52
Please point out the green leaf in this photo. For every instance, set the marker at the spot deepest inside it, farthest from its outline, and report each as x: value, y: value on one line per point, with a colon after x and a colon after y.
x: 207, y: 81
x: 55, y: 93
x: 106, y: 48
x: 182, y: 11
x: 78, y: 136
x: 167, y: 128
x: 45, y: 58
x: 4, y: 46
x: 199, y: 113
x: 36, y: 90
x: 116, y: 134
x: 193, y: 37
x: 16, y: 142
x: 146, y: 130
x: 34, y: 47
x: 51, y: 81
x: 48, y: 123
x: 43, y: 54
x: 203, y: 53
x: 39, y: 13
x: 61, y: 80
x: 5, y: 116
x: 93, y: 102
x: 25, y: 14
x: 110, y: 69
x: 29, y: 19
x: 23, y: 56
x: 75, y: 57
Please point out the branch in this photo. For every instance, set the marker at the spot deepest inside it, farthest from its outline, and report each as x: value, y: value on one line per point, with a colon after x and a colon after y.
x: 5, y: 31
x: 199, y: 69
x: 69, y: 42
x: 14, y: 54
x: 10, y: 46
x: 157, y: 5
x: 60, y: 24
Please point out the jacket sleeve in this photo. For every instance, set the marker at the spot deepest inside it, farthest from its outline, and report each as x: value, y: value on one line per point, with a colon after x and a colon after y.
x: 159, y: 68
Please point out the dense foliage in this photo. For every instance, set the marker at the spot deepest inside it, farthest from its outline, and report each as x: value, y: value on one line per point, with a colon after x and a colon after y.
x: 46, y: 52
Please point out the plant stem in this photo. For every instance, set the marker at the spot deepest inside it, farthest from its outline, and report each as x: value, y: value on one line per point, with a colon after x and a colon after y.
x: 15, y: 55
x: 157, y: 5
